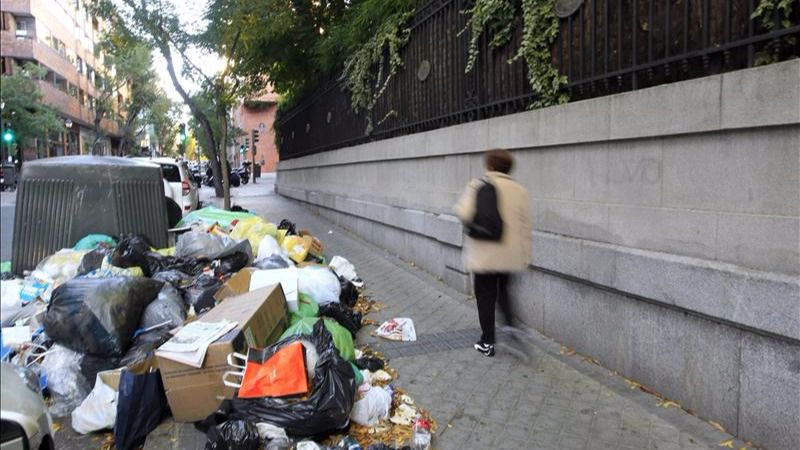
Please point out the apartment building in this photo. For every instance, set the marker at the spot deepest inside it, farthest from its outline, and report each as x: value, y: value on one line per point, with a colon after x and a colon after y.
x: 61, y: 36
x: 256, y: 113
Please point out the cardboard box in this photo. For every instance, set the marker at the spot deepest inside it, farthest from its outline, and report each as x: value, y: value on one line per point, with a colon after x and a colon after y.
x: 261, y: 316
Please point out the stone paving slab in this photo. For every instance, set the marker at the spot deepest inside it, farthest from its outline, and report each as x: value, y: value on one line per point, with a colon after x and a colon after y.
x: 553, y: 402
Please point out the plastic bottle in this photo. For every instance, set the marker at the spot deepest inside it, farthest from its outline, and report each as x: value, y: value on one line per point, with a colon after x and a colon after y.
x: 421, y: 439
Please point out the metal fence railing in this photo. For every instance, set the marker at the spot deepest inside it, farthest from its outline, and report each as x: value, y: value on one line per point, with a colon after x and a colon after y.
x: 604, y: 47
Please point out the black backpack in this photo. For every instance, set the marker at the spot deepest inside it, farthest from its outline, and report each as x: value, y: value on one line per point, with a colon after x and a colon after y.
x: 487, y: 224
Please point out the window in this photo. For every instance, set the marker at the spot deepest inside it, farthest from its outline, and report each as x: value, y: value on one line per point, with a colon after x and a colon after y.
x: 82, y: 97
x: 171, y: 173
x: 25, y: 27
x: 73, y: 90
x: 79, y: 64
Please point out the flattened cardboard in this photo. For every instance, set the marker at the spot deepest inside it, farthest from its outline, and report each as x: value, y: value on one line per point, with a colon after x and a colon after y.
x: 261, y: 316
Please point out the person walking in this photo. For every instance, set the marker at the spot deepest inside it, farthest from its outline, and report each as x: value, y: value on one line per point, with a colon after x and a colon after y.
x: 495, y: 213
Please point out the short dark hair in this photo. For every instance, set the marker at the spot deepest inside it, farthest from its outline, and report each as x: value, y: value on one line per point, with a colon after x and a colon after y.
x: 499, y: 160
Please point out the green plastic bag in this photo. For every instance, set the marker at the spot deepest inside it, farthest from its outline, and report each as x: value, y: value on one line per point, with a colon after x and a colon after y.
x: 307, y: 307
x: 91, y: 241
x: 359, y: 377
x: 5, y: 266
x: 342, y: 339
x: 211, y: 215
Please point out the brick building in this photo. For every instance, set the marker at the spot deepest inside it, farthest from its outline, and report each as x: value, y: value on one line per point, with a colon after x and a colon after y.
x: 257, y: 113
x: 61, y: 36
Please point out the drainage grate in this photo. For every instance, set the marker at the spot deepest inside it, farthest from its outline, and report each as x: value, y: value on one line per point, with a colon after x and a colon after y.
x: 430, y: 343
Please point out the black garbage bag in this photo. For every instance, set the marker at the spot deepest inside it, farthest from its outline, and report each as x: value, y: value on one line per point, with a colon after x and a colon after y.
x: 144, y: 346
x: 179, y: 280
x: 288, y: 226
x: 233, y: 435
x: 349, y: 292
x: 93, y: 260
x: 326, y: 409
x: 235, y: 258
x: 167, y: 307
x: 345, y: 316
x: 160, y: 263
x: 201, y: 293
x: 369, y: 363
x: 273, y: 262
x: 91, y: 365
x: 132, y: 251
x: 140, y: 407
x: 5, y: 276
x: 98, y: 316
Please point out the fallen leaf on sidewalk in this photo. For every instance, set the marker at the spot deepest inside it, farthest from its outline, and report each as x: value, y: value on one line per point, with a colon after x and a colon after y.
x: 633, y: 384
x: 718, y: 426
x: 668, y: 404
x: 727, y: 444
x: 56, y: 426
x: 567, y: 351
x: 591, y: 360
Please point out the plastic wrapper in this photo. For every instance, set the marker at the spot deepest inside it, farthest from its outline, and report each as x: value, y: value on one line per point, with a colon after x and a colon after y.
x: 99, y: 316
x: 320, y: 283
x: 132, y: 251
x: 167, y: 307
x: 200, y: 294
x: 342, y: 314
x: 62, y: 367
x: 233, y: 435
x: 349, y: 293
x: 326, y: 409
x: 397, y: 329
x: 275, y: 261
x: 253, y: 229
x: 342, y: 339
x: 140, y: 407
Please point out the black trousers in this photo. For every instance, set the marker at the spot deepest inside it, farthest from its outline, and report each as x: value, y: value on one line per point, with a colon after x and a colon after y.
x: 492, y: 289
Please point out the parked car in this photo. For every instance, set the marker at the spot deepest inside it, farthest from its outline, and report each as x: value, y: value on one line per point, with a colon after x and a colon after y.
x: 26, y: 424
x: 179, y: 185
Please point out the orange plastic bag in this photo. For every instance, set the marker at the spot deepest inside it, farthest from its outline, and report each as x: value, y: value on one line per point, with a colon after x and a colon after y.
x: 283, y: 374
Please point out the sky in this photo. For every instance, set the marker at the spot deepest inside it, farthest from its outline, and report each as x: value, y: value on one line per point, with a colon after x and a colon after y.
x: 191, y: 19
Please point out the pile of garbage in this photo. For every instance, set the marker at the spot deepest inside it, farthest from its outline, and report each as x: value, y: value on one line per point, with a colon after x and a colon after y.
x: 121, y: 335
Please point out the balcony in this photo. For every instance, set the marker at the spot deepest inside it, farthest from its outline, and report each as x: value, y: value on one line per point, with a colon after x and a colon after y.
x: 69, y: 106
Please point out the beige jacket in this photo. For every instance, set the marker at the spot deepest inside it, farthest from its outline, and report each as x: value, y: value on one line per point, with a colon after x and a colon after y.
x: 513, y: 252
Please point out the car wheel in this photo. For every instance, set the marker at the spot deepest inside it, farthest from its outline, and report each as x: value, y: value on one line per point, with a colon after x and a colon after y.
x: 47, y: 444
x: 174, y: 213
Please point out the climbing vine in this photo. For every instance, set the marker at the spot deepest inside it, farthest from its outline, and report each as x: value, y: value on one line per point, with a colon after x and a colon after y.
x: 365, y: 84
x: 496, y: 16
x: 540, y: 29
x: 765, y: 12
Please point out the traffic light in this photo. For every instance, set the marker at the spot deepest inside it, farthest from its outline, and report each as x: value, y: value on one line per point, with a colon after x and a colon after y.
x: 241, y: 148
x: 182, y: 133
x: 254, y: 134
x: 246, y: 142
x: 8, y: 136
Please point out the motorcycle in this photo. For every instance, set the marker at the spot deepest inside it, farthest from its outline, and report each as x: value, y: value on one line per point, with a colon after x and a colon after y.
x: 244, y: 174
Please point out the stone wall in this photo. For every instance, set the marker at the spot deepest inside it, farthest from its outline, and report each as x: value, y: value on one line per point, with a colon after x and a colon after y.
x: 666, y: 237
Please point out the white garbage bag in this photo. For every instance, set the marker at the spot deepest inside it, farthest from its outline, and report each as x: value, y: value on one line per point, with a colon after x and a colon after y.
x: 268, y: 247
x: 319, y: 283
x: 10, y: 303
x: 346, y: 270
x: 62, y: 367
x: 98, y: 411
x: 372, y: 407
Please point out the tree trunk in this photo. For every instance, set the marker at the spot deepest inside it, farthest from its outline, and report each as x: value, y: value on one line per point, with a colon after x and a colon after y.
x: 226, y: 182
x: 219, y: 188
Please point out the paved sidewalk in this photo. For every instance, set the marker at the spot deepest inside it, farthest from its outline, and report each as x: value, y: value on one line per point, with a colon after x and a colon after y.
x: 554, y: 402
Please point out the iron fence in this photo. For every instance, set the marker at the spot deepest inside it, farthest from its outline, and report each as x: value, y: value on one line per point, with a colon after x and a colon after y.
x: 604, y: 47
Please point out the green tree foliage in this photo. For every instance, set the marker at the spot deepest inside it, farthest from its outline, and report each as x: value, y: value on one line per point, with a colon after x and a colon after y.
x: 23, y: 109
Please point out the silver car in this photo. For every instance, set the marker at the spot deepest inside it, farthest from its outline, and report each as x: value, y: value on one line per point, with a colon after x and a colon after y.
x: 26, y: 424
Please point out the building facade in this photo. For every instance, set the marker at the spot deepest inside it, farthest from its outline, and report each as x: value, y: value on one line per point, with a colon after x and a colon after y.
x: 61, y: 36
x: 256, y: 113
